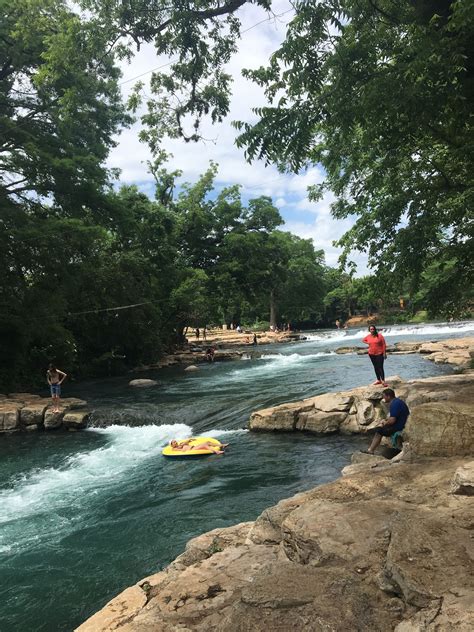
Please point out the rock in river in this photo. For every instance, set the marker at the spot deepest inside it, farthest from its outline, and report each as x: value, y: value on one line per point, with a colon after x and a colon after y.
x: 142, y: 383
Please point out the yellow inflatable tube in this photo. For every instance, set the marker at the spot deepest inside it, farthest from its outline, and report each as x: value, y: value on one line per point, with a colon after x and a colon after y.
x: 191, y: 452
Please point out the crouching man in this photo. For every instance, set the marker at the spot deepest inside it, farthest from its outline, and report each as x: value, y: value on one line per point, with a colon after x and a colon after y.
x: 395, y: 422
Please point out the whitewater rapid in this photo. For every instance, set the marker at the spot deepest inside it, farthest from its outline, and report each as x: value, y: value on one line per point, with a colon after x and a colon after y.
x: 342, y: 335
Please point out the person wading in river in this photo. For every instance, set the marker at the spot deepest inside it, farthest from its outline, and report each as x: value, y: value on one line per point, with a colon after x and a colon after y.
x: 377, y: 353
x: 55, y: 378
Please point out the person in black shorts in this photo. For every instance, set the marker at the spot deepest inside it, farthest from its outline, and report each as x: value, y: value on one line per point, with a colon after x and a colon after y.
x: 398, y: 415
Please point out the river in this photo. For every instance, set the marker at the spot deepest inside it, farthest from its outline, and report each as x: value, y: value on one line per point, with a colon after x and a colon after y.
x: 84, y: 515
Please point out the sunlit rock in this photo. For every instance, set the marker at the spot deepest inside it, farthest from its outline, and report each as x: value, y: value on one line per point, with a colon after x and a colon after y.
x: 463, y: 481
x: 142, y: 383
x: 76, y: 420
x: 441, y: 429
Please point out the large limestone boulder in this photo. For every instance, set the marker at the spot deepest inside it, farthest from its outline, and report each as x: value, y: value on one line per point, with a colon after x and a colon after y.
x: 10, y: 417
x: 320, y: 422
x: 23, y: 397
x: 33, y: 415
x: 27, y: 412
x: 441, y: 429
x: 53, y: 420
x: 75, y: 420
x: 281, y: 417
x: 330, y: 402
x: 428, y: 563
x: 73, y: 403
x: 362, y: 408
x: 455, y: 351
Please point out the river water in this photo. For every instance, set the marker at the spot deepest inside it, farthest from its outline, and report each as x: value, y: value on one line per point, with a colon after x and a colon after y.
x: 84, y: 515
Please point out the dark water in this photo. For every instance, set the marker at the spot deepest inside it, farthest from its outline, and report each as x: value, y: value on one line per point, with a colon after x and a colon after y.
x: 84, y: 515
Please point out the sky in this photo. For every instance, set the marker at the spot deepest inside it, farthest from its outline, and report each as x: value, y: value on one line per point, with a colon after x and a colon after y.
x: 306, y: 219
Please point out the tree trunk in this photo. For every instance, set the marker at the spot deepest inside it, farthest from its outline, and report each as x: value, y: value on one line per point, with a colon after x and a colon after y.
x: 273, y: 311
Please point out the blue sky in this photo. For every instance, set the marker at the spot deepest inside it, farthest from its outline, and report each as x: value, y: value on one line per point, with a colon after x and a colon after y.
x: 289, y: 192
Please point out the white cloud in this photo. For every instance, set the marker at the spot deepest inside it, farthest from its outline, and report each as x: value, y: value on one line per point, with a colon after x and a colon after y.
x: 289, y: 191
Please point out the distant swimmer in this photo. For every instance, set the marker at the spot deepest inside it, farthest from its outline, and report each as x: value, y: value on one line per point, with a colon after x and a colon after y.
x: 210, y: 353
x: 206, y: 445
x: 377, y: 353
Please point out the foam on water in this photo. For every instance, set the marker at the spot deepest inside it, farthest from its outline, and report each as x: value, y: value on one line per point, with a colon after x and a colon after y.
x: 217, y: 432
x: 48, y: 490
x: 395, y: 330
x: 273, y: 363
x: 288, y: 359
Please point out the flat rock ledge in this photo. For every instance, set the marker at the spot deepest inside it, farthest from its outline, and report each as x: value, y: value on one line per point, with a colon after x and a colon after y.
x: 387, y: 548
x: 360, y: 409
x: 456, y: 351
x: 193, y: 355
x: 23, y: 412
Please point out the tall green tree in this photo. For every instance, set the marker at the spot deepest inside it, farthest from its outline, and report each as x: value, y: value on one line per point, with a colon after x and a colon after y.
x: 379, y: 93
x: 60, y: 105
x: 60, y: 108
x: 300, y: 296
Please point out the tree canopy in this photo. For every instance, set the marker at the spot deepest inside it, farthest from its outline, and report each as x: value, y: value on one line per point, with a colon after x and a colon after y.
x: 378, y: 92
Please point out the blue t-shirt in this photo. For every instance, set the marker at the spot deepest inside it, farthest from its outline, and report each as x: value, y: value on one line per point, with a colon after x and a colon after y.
x: 399, y: 410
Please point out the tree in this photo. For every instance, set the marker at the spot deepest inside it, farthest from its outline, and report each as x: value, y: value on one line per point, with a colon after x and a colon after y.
x: 60, y: 106
x: 383, y: 100
x: 380, y: 94
x: 340, y: 299
x: 298, y: 293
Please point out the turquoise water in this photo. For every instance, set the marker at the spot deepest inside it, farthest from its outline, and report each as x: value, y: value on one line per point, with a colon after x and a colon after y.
x: 84, y: 515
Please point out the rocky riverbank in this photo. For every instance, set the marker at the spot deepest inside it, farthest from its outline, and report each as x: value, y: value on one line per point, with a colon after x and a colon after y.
x: 26, y: 412
x: 360, y: 409
x: 387, y: 547
x: 229, y: 345
x: 456, y: 351
x: 231, y: 337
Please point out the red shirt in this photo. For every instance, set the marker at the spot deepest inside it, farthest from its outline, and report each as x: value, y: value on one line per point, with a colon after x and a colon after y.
x: 376, y: 344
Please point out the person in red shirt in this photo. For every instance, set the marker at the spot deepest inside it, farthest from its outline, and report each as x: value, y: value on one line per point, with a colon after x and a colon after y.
x: 377, y: 353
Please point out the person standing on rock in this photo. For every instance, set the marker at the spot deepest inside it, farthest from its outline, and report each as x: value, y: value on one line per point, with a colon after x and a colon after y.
x: 395, y: 422
x: 55, y: 378
x: 377, y: 353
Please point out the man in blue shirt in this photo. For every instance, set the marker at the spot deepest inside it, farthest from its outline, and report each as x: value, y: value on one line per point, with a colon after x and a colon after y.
x: 398, y: 415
